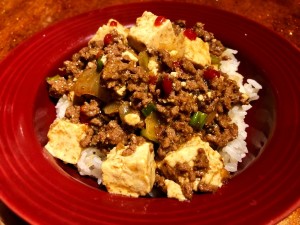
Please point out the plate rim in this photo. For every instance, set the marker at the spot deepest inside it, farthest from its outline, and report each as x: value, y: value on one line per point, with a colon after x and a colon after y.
x: 53, y: 27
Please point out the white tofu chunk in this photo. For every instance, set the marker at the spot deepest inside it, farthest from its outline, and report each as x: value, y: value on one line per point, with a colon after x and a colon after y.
x: 132, y: 175
x: 174, y: 190
x: 64, y: 140
x: 216, y: 172
x: 153, y: 65
x: 146, y: 34
x: 131, y: 55
x: 187, y: 153
x: 197, y: 51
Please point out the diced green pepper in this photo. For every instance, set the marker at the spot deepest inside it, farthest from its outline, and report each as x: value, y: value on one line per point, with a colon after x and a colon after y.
x: 99, y: 64
x: 143, y: 58
x: 53, y: 78
x: 149, y: 132
x: 148, y: 109
x: 215, y: 60
x: 198, y: 120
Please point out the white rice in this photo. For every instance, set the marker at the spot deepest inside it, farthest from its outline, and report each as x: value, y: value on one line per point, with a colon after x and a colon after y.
x: 90, y: 163
x: 61, y: 106
x: 236, y: 150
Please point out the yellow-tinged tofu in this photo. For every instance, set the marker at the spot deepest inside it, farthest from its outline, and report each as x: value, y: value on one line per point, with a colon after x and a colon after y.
x: 216, y: 172
x: 174, y: 190
x: 153, y: 65
x: 146, y: 35
x: 64, y: 140
x: 187, y: 153
x: 131, y: 55
x: 107, y: 28
x: 197, y: 51
x: 132, y: 175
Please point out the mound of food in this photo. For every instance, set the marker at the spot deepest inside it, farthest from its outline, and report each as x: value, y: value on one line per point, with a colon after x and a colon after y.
x: 158, y: 105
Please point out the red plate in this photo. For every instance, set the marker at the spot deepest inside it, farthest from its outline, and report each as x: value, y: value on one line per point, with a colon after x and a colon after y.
x: 42, y: 191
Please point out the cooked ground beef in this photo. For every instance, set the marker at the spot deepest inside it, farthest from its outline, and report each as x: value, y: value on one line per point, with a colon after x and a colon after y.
x: 216, y: 95
x: 90, y: 109
x: 176, y: 92
x: 80, y: 60
x: 58, y: 86
x: 179, y: 25
x: 215, y: 46
x: 202, y: 33
x: 184, y: 170
x: 111, y: 134
x: 73, y: 113
x: 134, y: 142
x: 88, y: 138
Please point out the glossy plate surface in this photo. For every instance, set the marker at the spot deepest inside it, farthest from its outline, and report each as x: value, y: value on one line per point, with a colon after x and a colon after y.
x: 43, y: 191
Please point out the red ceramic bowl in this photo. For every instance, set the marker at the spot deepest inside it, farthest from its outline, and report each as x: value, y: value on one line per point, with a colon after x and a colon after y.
x: 43, y: 191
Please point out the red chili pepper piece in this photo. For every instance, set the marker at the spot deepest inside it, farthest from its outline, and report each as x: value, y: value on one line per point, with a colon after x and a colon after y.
x: 113, y: 23
x: 152, y: 79
x: 84, y: 119
x: 167, y: 85
x: 176, y: 64
x: 190, y: 34
x: 99, y: 54
x: 108, y: 39
x: 159, y: 21
x: 210, y: 74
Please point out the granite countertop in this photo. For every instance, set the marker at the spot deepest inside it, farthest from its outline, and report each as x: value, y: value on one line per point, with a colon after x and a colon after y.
x: 22, y: 19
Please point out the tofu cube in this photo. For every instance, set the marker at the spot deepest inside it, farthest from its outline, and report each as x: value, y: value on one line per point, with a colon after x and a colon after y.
x: 197, y: 51
x: 131, y: 175
x: 187, y: 153
x: 174, y: 190
x: 64, y: 140
x: 146, y: 35
x: 216, y: 173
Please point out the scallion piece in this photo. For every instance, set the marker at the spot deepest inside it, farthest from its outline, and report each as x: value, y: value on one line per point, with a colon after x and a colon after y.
x: 148, y: 109
x: 143, y: 59
x: 99, y: 64
x: 215, y: 59
x: 53, y: 78
x: 198, y: 120
x: 151, y: 123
